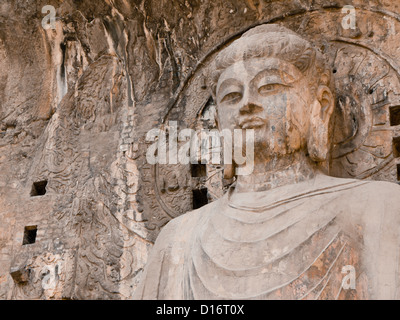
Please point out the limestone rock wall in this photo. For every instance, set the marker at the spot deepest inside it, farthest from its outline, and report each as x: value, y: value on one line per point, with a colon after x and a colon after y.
x: 77, y: 101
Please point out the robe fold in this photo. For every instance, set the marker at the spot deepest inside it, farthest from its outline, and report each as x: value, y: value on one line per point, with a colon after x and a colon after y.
x: 326, y: 238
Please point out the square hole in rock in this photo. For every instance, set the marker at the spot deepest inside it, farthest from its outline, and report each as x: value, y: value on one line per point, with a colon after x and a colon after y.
x: 39, y: 188
x: 198, y: 170
x: 200, y: 198
x: 396, y: 147
x: 29, y: 235
x: 394, y: 115
x: 398, y: 172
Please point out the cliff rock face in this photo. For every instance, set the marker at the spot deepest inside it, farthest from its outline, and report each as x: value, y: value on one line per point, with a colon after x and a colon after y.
x: 80, y: 206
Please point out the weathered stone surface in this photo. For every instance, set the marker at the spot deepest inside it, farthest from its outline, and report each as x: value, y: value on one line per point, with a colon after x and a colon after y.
x: 284, y: 230
x: 20, y: 275
x: 76, y: 103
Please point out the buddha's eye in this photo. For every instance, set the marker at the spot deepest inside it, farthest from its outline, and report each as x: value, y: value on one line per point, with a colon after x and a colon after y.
x: 233, y: 97
x: 270, y: 88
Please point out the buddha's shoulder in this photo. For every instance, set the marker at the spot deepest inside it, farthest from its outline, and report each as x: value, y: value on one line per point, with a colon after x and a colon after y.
x: 368, y: 190
x: 186, y: 223
x: 378, y: 190
x: 365, y: 200
x: 383, y: 190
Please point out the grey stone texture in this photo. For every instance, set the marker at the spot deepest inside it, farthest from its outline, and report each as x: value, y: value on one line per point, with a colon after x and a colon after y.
x: 77, y: 101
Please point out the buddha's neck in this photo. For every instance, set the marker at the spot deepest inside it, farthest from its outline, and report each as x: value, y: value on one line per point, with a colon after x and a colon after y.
x: 276, y: 172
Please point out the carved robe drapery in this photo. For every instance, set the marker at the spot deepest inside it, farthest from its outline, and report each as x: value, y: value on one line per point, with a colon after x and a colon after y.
x: 291, y: 242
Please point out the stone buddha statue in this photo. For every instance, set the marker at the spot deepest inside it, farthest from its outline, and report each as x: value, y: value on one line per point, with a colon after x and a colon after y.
x: 287, y: 230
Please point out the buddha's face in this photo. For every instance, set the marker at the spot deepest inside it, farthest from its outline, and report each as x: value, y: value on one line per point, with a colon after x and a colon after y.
x: 270, y: 96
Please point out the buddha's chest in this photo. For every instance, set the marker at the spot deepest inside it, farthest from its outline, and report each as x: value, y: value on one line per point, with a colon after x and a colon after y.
x: 308, y: 259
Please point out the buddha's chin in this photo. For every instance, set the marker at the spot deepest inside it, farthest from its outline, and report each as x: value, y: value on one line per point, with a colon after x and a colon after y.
x: 260, y: 134
x: 270, y: 149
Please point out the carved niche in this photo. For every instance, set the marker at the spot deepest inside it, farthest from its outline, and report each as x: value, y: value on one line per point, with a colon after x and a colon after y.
x: 365, y: 123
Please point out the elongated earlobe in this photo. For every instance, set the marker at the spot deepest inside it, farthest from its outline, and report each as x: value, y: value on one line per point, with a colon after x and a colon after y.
x: 318, y: 137
x: 229, y: 171
x: 318, y: 141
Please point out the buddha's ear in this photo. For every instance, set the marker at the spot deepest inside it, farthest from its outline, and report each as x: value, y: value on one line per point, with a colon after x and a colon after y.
x: 216, y: 119
x: 321, y: 112
x: 229, y: 169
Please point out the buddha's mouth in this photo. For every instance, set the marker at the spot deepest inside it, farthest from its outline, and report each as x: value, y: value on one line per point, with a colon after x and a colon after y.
x: 251, y: 123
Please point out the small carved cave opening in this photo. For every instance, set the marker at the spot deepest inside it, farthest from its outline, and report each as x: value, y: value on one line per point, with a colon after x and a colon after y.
x: 29, y: 235
x: 39, y: 188
x: 200, y: 198
x: 398, y: 172
x: 396, y: 147
x: 63, y: 47
x: 198, y: 170
x: 394, y: 115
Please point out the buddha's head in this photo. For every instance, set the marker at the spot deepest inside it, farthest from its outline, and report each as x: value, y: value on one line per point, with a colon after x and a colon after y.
x: 275, y: 82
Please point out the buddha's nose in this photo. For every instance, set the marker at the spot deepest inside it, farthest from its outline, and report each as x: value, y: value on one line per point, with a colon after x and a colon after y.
x: 249, y: 108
